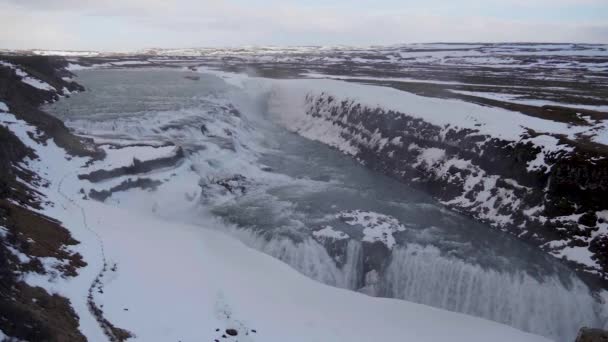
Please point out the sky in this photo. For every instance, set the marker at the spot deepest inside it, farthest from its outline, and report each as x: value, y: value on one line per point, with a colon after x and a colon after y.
x: 127, y: 25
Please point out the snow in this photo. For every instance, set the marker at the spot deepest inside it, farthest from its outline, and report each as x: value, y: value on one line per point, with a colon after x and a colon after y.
x: 235, y: 79
x: 328, y: 232
x: 398, y: 79
x: 76, y: 66
x: 430, y: 156
x: 578, y: 254
x: 176, y: 281
x: 4, y: 337
x: 22, y: 257
x: 129, y: 62
x: 603, y: 215
x: 533, y: 102
x: 3, y: 107
x: 66, y: 53
x: 36, y: 83
x: 600, y: 134
x: 376, y: 227
x: 548, y: 144
x: 215, y: 296
x: 54, y: 166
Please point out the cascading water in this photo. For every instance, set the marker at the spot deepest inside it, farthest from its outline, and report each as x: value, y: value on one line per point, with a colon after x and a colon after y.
x: 550, y: 306
x: 294, y: 187
x: 546, y: 306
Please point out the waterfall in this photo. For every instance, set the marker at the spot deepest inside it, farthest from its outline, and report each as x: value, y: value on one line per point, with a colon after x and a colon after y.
x: 546, y: 306
x: 308, y: 257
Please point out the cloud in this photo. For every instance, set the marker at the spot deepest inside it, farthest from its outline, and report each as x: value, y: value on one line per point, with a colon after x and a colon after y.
x: 22, y: 29
x: 134, y: 24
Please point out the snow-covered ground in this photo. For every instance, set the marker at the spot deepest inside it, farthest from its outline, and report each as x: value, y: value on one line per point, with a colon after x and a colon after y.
x: 534, y: 102
x: 66, y: 53
x: 165, y: 281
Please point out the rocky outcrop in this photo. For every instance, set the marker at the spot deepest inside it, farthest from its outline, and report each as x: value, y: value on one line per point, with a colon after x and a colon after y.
x: 137, y: 167
x: 592, y: 335
x: 24, y: 99
x: 555, y: 199
x: 139, y: 183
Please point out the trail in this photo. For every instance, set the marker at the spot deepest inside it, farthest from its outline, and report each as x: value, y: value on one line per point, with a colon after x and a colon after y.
x: 113, y: 333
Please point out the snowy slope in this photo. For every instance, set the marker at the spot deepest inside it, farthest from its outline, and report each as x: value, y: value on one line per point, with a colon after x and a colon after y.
x: 164, y: 281
x: 28, y: 79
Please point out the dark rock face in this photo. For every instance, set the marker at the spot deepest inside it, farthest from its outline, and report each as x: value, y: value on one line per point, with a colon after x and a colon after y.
x: 488, y: 178
x: 237, y: 185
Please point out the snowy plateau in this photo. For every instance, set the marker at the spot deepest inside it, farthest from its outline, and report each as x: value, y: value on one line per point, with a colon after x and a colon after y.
x: 305, y: 193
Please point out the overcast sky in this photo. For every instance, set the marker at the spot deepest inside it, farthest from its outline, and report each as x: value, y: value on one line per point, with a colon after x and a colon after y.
x: 122, y: 25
